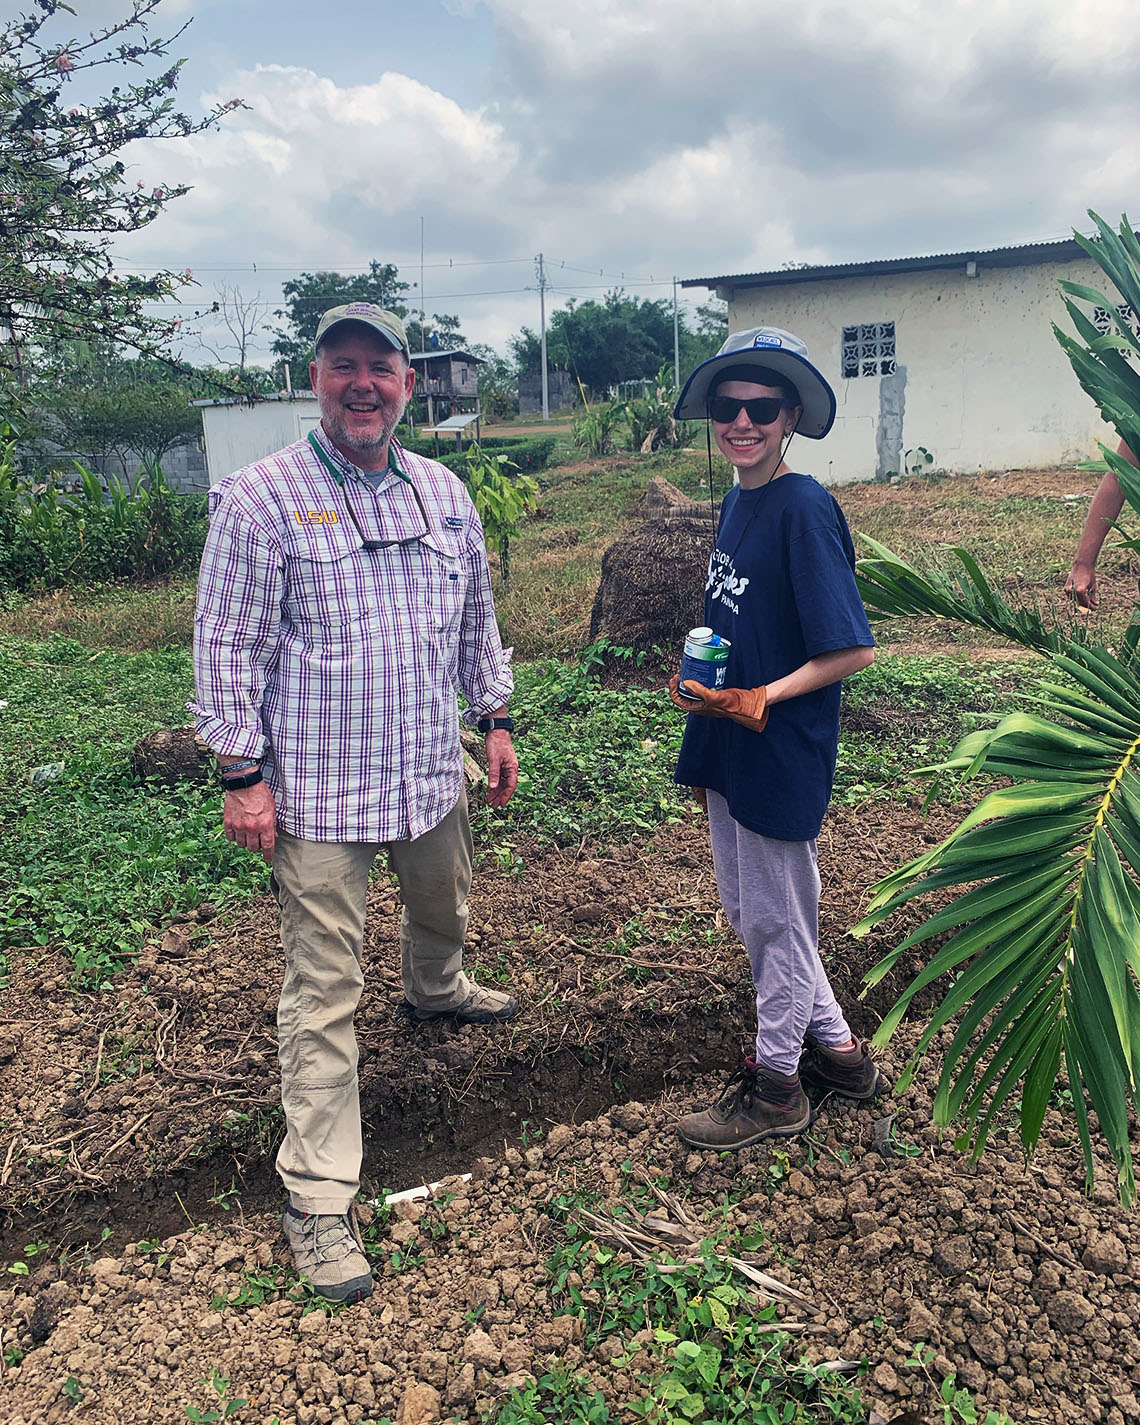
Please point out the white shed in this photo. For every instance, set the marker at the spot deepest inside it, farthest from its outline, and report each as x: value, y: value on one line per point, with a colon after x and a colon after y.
x: 239, y: 431
x: 953, y: 354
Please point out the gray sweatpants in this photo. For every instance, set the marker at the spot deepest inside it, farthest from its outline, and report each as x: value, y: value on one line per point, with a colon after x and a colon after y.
x: 770, y: 893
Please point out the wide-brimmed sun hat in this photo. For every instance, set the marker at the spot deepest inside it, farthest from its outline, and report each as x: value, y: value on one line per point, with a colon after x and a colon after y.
x: 767, y: 349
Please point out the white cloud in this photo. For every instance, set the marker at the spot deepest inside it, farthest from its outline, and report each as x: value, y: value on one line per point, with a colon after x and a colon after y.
x: 672, y: 139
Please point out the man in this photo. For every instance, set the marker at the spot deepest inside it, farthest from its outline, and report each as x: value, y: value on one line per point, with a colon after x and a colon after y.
x: 761, y: 750
x: 1107, y: 503
x: 344, y: 600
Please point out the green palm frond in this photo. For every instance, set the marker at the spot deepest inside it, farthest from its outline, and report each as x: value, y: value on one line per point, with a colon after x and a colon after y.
x: 1043, y: 939
x: 1045, y: 943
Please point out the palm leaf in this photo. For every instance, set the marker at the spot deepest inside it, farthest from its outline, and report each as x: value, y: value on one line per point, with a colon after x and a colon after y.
x: 1042, y: 942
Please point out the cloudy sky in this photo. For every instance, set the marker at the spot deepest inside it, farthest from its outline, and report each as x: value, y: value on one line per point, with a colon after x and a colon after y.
x: 631, y: 141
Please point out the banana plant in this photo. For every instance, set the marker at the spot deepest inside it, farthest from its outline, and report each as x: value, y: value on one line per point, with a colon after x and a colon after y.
x: 1044, y: 936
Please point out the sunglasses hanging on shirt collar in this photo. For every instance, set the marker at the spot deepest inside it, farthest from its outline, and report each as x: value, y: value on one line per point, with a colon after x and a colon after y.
x: 379, y: 503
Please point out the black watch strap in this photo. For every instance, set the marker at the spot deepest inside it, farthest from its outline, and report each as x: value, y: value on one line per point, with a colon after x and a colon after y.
x: 238, y: 784
x: 496, y: 724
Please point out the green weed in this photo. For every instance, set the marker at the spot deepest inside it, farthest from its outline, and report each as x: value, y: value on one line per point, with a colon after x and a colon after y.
x: 225, y: 1407
x: 96, y: 859
x: 715, y: 1354
x: 558, y: 1397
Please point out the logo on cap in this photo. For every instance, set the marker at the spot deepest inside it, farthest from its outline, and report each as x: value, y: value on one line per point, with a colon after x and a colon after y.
x: 360, y: 309
x: 765, y: 340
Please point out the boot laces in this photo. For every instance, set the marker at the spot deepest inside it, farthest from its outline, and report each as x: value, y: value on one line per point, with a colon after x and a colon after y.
x: 329, y: 1238
x: 741, y: 1090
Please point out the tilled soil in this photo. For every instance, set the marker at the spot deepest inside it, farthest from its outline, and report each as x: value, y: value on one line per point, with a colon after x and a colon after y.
x: 151, y: 1098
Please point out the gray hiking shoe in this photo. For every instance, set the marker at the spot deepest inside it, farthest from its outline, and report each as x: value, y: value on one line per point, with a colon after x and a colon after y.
x: 850, y: 1073
x: 757, y: 1103
x: 328, y: 1253
x: 482, y: 1006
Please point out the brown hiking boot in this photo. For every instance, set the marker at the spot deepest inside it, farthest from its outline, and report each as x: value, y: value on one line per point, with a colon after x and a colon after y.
x: 757, y: 1103
x: 850, y: 1073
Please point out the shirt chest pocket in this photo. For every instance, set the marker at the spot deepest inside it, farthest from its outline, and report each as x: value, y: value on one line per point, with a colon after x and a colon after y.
x: 440, y: 590
x: 322, y: 586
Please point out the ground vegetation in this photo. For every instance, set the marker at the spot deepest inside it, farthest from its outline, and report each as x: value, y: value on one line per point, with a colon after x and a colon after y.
x: 584, y: 1270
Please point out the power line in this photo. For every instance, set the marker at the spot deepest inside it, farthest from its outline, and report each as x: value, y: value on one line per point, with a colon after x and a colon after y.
x: 348, y: 269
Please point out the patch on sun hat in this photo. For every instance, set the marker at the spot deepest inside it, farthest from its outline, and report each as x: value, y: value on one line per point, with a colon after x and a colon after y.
x: 388, y: 324
x: 770, y: 349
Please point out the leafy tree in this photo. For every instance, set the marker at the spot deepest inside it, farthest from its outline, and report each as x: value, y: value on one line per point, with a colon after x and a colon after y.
x: 64, y: 192
x: 311, y: 294
x: 441, y: 333
x: 102, y: 405
x: 525, y: 349
x: 498, y: 383
x: 621, y: 338
x: 1045, y: 946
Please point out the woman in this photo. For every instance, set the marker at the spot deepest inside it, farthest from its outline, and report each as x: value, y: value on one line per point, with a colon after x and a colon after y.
x: 781, y: 589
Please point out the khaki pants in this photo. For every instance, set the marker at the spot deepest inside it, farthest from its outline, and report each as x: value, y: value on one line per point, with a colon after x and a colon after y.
x: 320, y: 887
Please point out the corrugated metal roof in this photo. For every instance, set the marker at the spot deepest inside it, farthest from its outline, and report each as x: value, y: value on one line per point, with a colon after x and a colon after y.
x: 298, y: 394
x: 1025, y: 254
x: 439, y: 355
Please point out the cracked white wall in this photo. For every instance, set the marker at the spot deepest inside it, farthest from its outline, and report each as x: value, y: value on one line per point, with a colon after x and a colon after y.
x: 986, y: 384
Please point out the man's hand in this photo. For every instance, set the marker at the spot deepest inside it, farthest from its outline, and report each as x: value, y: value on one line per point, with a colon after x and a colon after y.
x: 1081, y: 585
x: 250, y: 819
x: 747, y: 706
x: 502, y: 768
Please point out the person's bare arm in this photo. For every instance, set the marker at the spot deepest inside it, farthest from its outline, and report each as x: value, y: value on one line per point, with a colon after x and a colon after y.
x: 1105, y: 508
x: 820, y: 672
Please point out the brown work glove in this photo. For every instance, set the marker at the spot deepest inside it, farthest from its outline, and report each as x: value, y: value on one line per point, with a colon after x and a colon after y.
x: 747, y: 706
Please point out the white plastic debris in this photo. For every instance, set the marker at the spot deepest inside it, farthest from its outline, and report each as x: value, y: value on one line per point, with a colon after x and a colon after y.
x: 410, y: 1194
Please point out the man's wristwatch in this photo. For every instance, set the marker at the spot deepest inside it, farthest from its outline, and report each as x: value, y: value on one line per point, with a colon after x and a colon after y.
x: 247, y: 779
x: 495, y: 724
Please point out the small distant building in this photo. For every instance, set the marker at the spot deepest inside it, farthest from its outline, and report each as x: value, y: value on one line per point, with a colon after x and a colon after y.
x: 952, y: 354
x: 239, y: 431
x: 447, y: 378
x: 560, y: 391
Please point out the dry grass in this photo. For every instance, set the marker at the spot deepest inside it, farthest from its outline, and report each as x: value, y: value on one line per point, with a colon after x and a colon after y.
x: 1021, y: 525
x: 124, y: 618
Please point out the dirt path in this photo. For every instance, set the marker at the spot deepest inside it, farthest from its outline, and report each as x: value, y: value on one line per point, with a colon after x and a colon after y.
x: 158, y: 1095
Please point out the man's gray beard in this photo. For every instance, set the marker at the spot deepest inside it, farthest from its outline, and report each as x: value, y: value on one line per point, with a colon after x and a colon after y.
x: 335, y: 427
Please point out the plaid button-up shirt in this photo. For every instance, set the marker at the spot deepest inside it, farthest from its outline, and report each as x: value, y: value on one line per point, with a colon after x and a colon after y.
x: 338, y: 663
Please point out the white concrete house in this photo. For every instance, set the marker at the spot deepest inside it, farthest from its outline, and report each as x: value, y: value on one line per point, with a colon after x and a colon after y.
x: 953, y: 353
x: 238, y: 431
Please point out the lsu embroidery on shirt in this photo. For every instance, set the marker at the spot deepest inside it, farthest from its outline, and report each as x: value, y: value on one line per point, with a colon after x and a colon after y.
x: 316, y: 517
x: 723, y: 582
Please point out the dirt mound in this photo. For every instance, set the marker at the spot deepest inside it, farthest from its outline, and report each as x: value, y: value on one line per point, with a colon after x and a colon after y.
x: 653, y: 584
x: 172, y: 755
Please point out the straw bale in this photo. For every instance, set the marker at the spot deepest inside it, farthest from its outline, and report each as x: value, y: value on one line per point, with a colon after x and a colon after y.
x: 652, y: 588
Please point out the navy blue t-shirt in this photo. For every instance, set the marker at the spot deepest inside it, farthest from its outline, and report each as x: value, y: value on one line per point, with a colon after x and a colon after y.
x: 781, y: 588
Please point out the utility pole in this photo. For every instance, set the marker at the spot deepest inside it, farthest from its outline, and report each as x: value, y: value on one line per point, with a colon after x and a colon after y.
x: 676, y: 340
x: 423, y: 338
x: 542, y: 328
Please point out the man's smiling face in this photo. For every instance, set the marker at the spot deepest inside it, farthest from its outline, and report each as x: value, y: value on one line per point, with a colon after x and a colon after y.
x: 363, y: 385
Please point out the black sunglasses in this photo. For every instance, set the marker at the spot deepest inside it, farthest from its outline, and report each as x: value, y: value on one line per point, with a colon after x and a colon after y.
x: 371, y: 544
x: 762, y: 410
